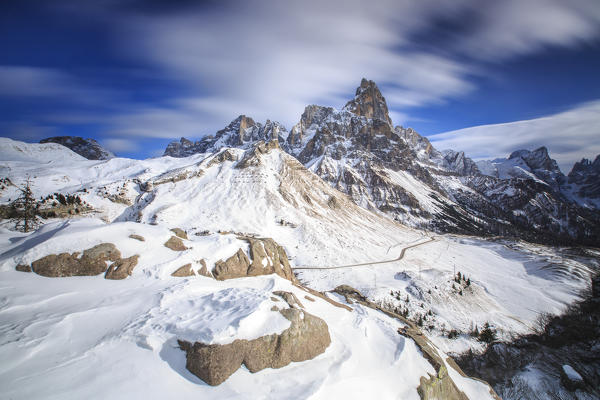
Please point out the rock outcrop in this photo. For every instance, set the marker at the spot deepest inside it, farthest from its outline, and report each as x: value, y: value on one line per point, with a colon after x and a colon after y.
x: 180, y: 233
x: 184, y: 271
x: 585, y: 178
x: 87, y: 148
x: 175, y: 243
x: 122, y: 268
x: 93, y: 261
x: 368, y: 102
x: 203, y: 270
x: 267, y: 258
x: 306, y: 338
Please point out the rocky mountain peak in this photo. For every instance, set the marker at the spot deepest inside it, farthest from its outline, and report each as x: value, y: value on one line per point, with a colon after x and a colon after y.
x: 368, y: 102
x: 88, y: 148
x: 585, y: 167
x: 537, y: 160
x: 585, y: 177
x: 242, y: 132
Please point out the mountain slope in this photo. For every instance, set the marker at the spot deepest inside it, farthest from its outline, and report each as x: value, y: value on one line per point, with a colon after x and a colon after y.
x: 87, y: 148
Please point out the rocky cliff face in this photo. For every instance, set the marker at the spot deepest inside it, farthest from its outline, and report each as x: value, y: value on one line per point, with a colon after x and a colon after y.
x: 396, y: 171
x: 242, y: 132
x: 87, y: 148
x: 368, y: 102
x: 584, y: 181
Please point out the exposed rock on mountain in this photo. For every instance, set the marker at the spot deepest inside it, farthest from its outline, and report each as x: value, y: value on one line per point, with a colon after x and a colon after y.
x: 122, y: 268
x: 267, y: 258
x: 306, y: 338
x: 368, y: 102
x: 175, y: 243
x: 242, y: 132
x: 527, y: 164
x: 399, y: 172
x: 457, y: 161
x: 584, y: 180
x: 92, y: 262
x: 183, y: 271
x: 88, y: 148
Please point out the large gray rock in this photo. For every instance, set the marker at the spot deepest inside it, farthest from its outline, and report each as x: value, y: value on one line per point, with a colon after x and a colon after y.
x: 306, y: 338
x: 92, y: 262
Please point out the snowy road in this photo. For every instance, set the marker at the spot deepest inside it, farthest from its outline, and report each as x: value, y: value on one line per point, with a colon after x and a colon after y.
x: 372, y: 262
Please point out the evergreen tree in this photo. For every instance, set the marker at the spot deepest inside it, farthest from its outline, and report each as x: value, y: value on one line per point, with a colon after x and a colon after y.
x: 25, y: 209
x: 487, y: 334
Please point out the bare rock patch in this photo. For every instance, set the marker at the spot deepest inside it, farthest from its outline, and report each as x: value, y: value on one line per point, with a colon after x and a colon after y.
x: 175, y: 243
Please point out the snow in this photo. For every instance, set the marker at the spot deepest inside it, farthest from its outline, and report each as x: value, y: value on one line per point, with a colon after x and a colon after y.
x: 119, y: 338
x: 571, y: 373
x: 14, y: 150
x: 510, y: 286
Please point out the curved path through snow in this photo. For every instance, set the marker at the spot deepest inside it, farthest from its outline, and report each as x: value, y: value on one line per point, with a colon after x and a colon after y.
x: 373, y: 262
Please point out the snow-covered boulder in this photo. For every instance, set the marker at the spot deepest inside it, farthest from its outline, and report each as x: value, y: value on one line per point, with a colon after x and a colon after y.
x: 306, y: 338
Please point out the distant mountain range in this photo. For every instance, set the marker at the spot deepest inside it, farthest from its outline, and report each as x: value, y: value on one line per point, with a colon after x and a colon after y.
x: 396, y: 171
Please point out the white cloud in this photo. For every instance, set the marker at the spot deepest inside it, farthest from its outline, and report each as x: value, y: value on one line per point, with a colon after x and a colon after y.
x: 120, y: 145
x: 272, y: 59
x: 568, y: 135
x: 516, y: 27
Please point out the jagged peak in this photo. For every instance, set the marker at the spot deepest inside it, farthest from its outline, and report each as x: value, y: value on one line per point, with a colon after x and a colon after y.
x: 369, y: 102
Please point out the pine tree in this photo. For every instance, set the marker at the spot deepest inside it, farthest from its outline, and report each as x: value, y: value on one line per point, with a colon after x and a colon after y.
x: 469, y: 282
x: 25, y: 209
x: 487, y: 335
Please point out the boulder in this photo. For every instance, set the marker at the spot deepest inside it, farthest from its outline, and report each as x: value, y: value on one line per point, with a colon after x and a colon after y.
x: 122, y: 268
x: 179, y: 233
x: 176, y: 244
x: 184, y: 271
x: 92, y: 262
x: 306, y: 338
x: 267, y: 258
x: 235, y: 266
x: 23, y: 268
x: 137, y: 237
x: 203, y: 270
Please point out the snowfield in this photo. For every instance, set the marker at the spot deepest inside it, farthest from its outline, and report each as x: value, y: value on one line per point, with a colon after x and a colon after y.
x: 119, y: 338
x: 89, y: 337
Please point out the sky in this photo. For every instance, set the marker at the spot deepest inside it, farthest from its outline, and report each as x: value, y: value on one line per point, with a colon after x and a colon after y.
x: 136, y: 74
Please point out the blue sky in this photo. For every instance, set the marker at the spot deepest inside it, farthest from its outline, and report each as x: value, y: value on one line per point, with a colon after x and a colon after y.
x: 136, y: 74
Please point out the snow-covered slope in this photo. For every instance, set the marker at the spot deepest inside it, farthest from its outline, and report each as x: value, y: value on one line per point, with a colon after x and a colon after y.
x: 13, y: 150
x: 86, y: 337
x: 123, y: 333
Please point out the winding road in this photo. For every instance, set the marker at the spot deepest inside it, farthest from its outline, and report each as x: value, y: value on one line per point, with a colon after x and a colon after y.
x: 402, y: 252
